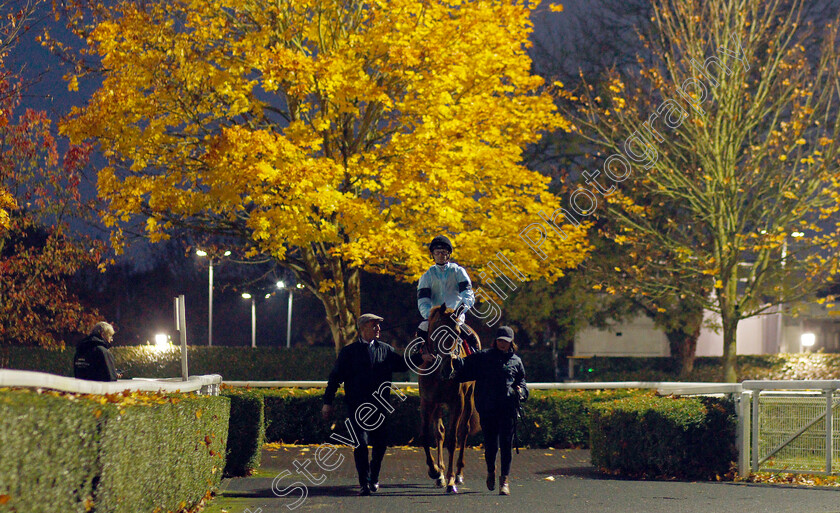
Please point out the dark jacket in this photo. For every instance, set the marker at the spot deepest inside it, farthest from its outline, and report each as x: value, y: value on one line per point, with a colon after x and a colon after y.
x: 93, y: 360
x: 496, y: 375
x: 361, y: 376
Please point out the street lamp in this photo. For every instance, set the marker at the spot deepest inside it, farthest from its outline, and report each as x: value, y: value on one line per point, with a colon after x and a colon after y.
x: 202, y: 253
x: 281, y: 285
x: 161, y: 342
x: 808, y: 340
x: 253, y: 318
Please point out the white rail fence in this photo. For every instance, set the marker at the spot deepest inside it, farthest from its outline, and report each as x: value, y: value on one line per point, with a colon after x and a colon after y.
x: 205, y: 385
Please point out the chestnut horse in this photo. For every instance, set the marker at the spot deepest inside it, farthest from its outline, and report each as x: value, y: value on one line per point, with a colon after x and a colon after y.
x: 436, y: 391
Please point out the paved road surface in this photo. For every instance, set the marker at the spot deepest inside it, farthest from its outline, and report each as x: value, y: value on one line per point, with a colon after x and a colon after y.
x: 542, y: 481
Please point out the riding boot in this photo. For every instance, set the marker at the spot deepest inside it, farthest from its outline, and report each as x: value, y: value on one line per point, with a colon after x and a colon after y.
x: 504, y: 488
x: 472, y: 340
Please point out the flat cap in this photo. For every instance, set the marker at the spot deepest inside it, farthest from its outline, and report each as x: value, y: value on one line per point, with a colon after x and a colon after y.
x: 366, y: 318
x: 505, y: 333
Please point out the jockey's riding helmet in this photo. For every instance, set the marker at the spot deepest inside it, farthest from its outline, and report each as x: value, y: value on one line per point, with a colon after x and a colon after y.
x: 440, y: 242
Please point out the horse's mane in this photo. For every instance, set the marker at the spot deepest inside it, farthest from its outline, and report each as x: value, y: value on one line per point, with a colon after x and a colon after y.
x: 438, y: 314
x: 435, y: 311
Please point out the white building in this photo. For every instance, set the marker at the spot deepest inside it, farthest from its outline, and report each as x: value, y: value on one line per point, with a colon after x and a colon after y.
x: 756, y: 335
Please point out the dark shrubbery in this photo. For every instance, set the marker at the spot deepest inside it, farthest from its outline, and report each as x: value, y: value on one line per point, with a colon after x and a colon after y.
x: 232, y: 363
x: 560, y: 418
x: 120, y: 453
x: 664, y: 437
x: 708, y: 369
x: 246, y: 434
x: 553, y: 418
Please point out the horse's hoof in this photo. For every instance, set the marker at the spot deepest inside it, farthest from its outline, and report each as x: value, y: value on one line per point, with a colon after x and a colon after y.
x: 439, y: 482
x: 459, y: 479
x: 451, y: 489
x: 434, y: 475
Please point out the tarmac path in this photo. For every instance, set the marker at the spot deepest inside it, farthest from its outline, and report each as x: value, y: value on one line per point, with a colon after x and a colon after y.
x: 543, y: 480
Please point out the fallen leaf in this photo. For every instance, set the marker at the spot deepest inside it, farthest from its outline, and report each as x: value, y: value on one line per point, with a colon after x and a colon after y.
x: 5, y: 498
x: 549, y: 478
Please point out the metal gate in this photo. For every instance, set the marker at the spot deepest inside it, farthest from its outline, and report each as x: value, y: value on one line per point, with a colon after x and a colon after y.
x: 792, y: 426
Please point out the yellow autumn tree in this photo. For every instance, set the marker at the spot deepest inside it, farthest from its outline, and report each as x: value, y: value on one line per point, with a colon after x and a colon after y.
x: 332, y: 135
x: 7, y: 202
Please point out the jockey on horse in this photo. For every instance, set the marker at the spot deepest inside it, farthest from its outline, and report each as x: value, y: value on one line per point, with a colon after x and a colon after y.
x: 446, y: 282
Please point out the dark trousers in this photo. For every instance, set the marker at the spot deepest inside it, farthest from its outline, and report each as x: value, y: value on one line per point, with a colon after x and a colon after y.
x: 368, y: 470
x: 498, y: 437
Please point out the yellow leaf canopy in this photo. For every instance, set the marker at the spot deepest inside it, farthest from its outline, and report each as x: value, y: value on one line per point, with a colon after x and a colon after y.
x: 360, y: 128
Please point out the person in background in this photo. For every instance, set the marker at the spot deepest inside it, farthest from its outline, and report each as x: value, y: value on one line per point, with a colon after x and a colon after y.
x: 93, y: 360
x: 499, y: 389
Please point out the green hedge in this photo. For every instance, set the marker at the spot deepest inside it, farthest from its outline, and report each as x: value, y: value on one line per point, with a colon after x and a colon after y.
x: 560, y: 418
x: 121, y: 453
x: 232, y: 363
x: 50, y: 450
x: 314, y: 363
x: 708, y: 368
x: 553, y: 418
x: 664, y: 437
x: 246, y: 433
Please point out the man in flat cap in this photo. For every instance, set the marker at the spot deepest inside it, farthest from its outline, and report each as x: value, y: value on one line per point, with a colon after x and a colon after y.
x: 365, y: 367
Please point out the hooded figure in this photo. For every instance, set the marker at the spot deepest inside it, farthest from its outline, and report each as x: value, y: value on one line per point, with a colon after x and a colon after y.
x: 93, y: 360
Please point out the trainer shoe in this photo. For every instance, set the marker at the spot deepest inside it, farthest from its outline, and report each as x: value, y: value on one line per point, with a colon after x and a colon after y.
x: 504, y: 488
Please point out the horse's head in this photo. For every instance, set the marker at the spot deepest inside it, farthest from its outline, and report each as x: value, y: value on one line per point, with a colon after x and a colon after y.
x: 444, y: 336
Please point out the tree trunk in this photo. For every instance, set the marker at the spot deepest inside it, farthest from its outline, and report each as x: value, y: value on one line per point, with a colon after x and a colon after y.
x: 730, y: 354
x: 728, y: 302
x: 683, y: 341
x: 342, y: 300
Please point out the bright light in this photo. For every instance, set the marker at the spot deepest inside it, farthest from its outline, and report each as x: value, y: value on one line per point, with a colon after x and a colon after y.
x: 808, y: 339
x: 267, y: 296
x: 200, y: 252
x: 246, y: 295
x: 281, y: 285
x: 299, y: 286
x: 797, y: 234
x: 161, y: 342
x: 227, y: 253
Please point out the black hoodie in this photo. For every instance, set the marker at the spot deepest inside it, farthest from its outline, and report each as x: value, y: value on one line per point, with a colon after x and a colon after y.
x: 93, y: 360
x: 497, y: 375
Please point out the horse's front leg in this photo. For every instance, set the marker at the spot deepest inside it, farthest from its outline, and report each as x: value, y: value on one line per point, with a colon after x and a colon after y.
x: 428, y: 429
x: 461, y: 436
x: 455, y: 411
x: 441, y: 432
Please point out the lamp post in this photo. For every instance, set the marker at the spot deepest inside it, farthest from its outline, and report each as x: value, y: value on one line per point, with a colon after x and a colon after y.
x: 253, y: 318
x: 281, y: 285
x: 780, y: 327
x: 202, y: 253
